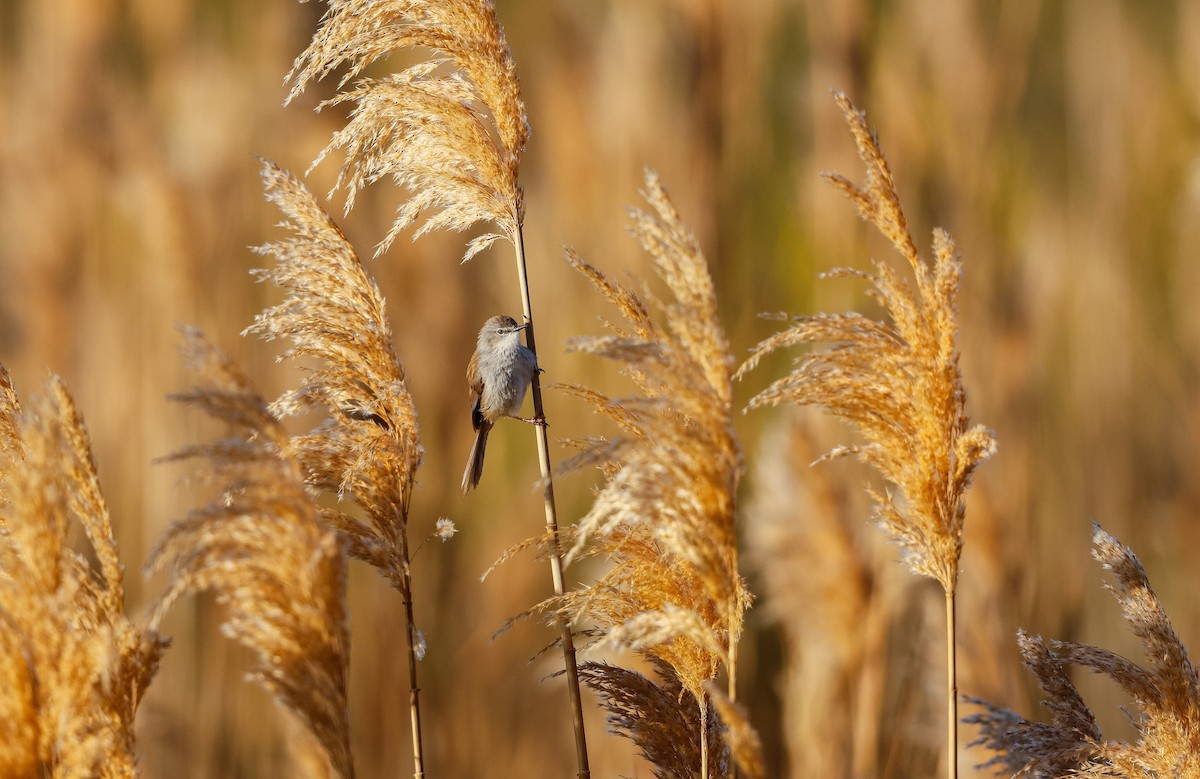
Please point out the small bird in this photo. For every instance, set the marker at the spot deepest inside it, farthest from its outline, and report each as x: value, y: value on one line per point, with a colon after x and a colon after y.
x: 499, y: 373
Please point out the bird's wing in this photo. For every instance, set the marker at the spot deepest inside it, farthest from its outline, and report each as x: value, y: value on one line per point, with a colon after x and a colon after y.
x: 474, y: 379
x: 475, y: 387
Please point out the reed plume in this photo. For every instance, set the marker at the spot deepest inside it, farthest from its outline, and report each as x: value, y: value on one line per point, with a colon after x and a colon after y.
x: 649, y: 713
x: 665, y: 516
x: 262, y: 548
x: 367, y: 445
x: 898, y: 384
x: 1166, y: 693
x: 74, y: 667
x: 450, y: 130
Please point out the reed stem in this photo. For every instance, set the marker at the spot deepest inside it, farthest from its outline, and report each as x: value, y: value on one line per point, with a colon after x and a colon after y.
x: 414, y: 701
x: 556, y: 568
x: 951, y: 690
x: 731, y: 687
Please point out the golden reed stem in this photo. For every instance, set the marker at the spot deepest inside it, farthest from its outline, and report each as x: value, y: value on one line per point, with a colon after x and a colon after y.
x: 556, y: 568
x: 414, y: 689
x: 951, y: 691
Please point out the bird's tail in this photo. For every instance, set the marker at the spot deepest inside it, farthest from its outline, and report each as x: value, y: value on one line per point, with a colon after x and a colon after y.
x: 475, y: 461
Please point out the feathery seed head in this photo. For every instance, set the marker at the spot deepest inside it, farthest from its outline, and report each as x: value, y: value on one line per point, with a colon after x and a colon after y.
x: 649, y: 713
x: 445, y: 529
x: 10, y: 408
x: 73, y: 666
x: 368, y: 445
x: 261, y: 546
x: 896, y: 382
x: 665, y: 516
x: 1166, y: 691
x: 451, y: 130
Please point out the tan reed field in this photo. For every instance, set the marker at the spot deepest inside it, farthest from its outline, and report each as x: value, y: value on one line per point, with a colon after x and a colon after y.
x: 728, y: 609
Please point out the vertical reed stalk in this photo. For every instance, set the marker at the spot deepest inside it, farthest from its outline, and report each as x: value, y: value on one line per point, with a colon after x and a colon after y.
x: 556, y: 567
x: 453, y: 137
x: 414, y: 701
x: 731, y: 689
x: 414, y: 689
x: 951, y: 690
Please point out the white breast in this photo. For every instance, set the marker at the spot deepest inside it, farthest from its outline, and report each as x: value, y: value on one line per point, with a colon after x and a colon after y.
x: 506, y: 372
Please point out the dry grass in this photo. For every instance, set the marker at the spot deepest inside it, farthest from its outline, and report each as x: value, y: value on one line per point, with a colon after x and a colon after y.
x: 648, y: 712
x: 451, y: 130
x: 665, y: 517
x: 1057, y: 141
x: 898, y: 384
x: 366, y: 444
x: 261, y: 547
x: 74, y: 666
x: 10, y: 409
x: 1165, y: 692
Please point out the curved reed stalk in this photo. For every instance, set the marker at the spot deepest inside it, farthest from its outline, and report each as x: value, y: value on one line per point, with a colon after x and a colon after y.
x: 367, y: 444
x: 1166, y: 691
x: 899, y: 385
x: 73, y: 667
x: 451, y: 131
x: 665, y: 516
x: 261, y: 546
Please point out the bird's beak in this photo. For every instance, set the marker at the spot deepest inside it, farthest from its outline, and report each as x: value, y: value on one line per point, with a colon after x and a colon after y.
x: 521, y: 327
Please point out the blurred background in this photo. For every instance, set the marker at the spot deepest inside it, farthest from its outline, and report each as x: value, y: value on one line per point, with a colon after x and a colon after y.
x: 1058, y: 142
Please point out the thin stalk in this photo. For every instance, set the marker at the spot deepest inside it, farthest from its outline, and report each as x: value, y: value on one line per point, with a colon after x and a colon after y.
x: 951, y: 690
x: 731, y: 671
x: 731, y: 688
x: 556, y: 568
x: 414, y: 690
